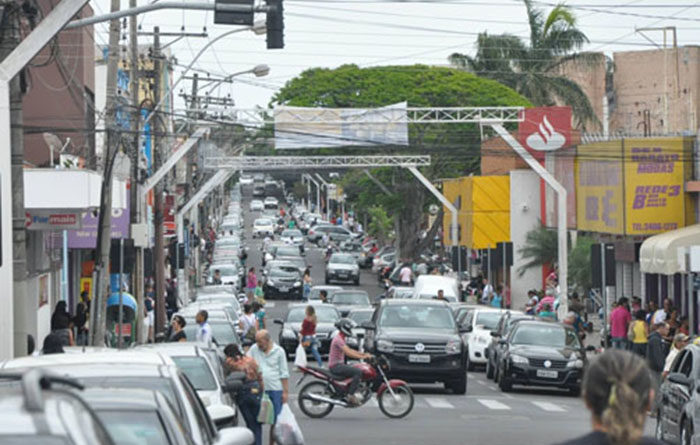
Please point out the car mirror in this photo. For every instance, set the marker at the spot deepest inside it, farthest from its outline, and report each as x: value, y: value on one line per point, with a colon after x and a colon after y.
x: 495, y: 334
x: 278, y: 321
x: 221, y: 414
x: 502, y: 341
x: 234, y: 382
x: 368, y: 326
x: 234, y: 436
x: 680, y: 379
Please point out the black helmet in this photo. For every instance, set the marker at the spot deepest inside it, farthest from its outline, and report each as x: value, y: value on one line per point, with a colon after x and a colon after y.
x: 345, y: 325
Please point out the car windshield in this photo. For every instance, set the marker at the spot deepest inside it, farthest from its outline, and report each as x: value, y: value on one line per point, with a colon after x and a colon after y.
x: 197, y: 370
x: 360, y: 316
x: 417, y: 316
x: 297, y: 261
x: 284, y: 271
x: 545, y: 335
x: 489, y: 320
x: 316, y: 293
x: 263, y: 222
x: 134, y: 427
x: 354, y: 298
x: 159, y: 384
x: 342, y: 259
x: 403, y: 293
x: 287, y: 251
x: 324, y: 314
x: 290, y: 233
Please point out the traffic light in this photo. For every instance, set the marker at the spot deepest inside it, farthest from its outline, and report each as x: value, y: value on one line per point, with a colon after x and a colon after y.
x: 275, y: 24
x: 233, y: 18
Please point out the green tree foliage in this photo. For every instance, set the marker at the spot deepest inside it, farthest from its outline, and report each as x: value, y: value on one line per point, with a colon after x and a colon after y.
x: 532, y: 69
x: 381, y: 224
x: 540, y: 249
x: 454, y: 148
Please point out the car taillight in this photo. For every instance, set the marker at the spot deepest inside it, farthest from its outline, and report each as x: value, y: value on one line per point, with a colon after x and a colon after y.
x: 311, y: 232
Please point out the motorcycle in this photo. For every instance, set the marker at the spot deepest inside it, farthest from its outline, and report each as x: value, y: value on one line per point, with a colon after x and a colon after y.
x: 318, y: 398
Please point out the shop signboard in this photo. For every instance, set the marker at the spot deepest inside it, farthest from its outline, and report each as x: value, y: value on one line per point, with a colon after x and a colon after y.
x: 86, y: 237
x: 599, y: 186
x: 545, y: 129
x: 52, y: 220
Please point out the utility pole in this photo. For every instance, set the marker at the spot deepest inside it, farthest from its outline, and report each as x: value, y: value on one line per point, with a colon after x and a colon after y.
x: 135, y: 215
x: 9, y: 32
x: 159, y: 254
x: 104, y: 226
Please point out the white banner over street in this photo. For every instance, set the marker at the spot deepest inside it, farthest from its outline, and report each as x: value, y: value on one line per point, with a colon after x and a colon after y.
x: 299, y: 127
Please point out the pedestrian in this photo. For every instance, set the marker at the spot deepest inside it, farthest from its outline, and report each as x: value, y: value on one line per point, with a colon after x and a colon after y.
x: 406, y: 274
x: 546, y: 312
x: 620, y: 319
x: 248, y: 323
x: 486, y: 291
x: 323, y: 296
x: 149, y: 315
x: 203, y: 328
x: 273, y: 364
x: 61, y: 324
x: 177, y: 330
x: 171, y: 303
x: 506, y: 296
x: 617, y: 389
x: 307, y: 334
x: 251, y: 284
x: 636, y: 304
x: 53, y: 344
x: 680, y: 341
x: 640, y: 332
x: 248, y: 398
x: 80, y: 319
x: 216, y: 280
x: 497, y: 297
x: 684, y: 328
x: 651, y: 310
x: 656, y: 354
x: 259, y: 294
x: 662, y: 314
x: 307, y: 284
x: 441, y: 295
x: 259, y: 311
x: 532, y: 300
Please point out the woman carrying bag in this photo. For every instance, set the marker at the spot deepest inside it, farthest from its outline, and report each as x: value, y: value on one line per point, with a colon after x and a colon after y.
x: 249, y: 398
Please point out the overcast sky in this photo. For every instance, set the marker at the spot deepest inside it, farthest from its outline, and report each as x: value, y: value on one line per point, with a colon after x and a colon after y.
x: 372, y: 32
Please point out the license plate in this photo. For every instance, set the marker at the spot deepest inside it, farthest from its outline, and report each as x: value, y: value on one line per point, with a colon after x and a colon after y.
x: 284, y: 289
x: 547, y: 374
x: 418, y: 358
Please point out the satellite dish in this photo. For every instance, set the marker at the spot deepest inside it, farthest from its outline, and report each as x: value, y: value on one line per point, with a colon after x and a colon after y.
x: 433, y: 209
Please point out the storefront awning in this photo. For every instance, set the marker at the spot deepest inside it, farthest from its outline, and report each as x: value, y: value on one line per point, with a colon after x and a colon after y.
x: 660, y: 253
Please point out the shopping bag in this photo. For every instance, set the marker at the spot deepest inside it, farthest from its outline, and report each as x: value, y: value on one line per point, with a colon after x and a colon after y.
x: 266, y: 415
x: 300, y: 359
x: 286, y: 431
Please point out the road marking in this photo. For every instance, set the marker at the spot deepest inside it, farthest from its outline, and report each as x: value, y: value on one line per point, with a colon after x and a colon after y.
x: 551, y: 407
x: 481, y: 382
x: 493, y: 404
x: 493, y: 388
x: 269, y: 304
x: 437, y: 402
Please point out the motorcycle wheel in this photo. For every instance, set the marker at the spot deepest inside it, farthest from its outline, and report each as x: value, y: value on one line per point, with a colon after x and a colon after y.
x: 398, y: 407
x: 312, y: 408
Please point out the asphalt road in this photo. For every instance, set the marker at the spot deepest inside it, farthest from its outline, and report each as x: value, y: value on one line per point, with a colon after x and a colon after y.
x: 484, y: 416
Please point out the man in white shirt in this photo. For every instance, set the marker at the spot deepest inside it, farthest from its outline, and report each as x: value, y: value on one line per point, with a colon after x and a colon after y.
x: 487, y: 292
x: 406, y: 274
x: 203, y: 328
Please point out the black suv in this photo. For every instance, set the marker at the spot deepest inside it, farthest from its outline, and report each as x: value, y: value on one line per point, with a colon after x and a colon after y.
x: 421, y: 340
x: 541, y: 353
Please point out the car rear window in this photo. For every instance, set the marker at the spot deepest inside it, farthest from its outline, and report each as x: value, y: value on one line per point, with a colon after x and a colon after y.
x: 350, y: 298
x: 164, y: 385
x: 543, y: 335
x: 134, y: 427
x: 197, y: 370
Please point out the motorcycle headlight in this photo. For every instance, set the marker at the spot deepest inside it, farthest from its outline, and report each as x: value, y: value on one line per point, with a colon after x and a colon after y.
x: 578, y: 363
x: 519, y: 359
x: 385, y: 346
x: 297, y: 284
x: 453, y: 347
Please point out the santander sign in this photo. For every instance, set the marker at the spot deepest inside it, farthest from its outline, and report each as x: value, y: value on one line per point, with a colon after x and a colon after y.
x: 545, y: 129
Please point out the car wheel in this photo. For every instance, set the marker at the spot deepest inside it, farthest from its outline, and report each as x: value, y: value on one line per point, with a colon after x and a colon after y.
x: 686, y: 433
x: 459, y: 385
x: 659, y: 430
x: 505, y: 384
x: 357, y: 282
x: 575, y: 391
x: 489, y: 370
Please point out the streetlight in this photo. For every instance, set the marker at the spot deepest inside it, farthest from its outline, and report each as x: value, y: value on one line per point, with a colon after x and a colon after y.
x: 261, y: 70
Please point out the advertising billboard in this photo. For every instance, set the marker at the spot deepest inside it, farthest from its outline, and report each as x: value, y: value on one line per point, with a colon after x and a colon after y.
x: 599, y: 184
x: 545, y: 129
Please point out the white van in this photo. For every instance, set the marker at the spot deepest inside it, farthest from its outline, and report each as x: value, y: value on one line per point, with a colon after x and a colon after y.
x: 427, y: 287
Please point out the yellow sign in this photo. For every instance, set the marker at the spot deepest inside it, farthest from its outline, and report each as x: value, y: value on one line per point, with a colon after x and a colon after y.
x: 86, y: 286
x: 655, y: 173
x: 599, y: 181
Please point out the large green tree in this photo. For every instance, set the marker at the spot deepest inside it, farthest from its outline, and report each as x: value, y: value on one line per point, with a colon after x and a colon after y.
x: 454, y: 148
x: 532, y: 68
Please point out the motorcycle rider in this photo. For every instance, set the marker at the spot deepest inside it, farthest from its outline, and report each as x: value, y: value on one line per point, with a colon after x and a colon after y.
x: 336, y: 359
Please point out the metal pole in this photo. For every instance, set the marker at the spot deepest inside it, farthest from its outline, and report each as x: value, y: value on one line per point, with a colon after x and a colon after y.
x: 120, y: 339
x: 64, y: 267
x: 505, y: 273
x: 562, y: 248
x: 488, y: 265
x: 691, y: 304
x: 604, y: 294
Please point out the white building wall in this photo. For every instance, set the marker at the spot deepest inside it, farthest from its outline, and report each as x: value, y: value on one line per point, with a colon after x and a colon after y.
x: 524, y: 216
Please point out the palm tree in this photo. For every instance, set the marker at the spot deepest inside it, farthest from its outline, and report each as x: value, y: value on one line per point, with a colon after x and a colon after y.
x: 540, y: 248
x: 533, y: 70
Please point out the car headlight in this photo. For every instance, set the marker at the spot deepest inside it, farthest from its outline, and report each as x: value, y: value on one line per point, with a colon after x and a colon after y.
x: 297, y: 284
x: 356, y: 270
x: 385, y: 346
x: 519, y: 359
x: 453, y: 347
x: 578, y: 363
x: 270, y: 283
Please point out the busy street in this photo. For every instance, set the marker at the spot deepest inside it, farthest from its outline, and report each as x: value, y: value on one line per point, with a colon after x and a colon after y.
x: 349, y: 222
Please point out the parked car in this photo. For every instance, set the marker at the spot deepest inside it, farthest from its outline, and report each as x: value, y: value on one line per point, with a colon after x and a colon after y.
x: 256, y: 205
x: 494, y: 350
x: 326, y: 315
x: 347, y: 300
x: 541, y: 353
x: 478, y: 325
x: 263, y: 227
x: 342, y: 267
x: 271, y: 202
x: 421, y: 340
x: 37, y: 410
x: 677, y: 413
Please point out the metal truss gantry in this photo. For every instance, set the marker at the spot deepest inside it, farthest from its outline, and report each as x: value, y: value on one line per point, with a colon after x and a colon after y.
x: 260, y: 163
